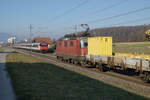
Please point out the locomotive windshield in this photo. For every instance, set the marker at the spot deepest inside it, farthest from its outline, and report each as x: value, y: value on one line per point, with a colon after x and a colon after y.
x: 43, y: 45
x: 83, y: 43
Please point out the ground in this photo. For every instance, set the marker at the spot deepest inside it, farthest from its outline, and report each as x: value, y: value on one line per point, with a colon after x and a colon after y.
x: 35, y: 79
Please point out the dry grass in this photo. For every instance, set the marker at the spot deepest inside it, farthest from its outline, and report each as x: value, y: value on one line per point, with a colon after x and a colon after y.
x: 34, y: 79
x: 132, y: 47
x: 2, y: 49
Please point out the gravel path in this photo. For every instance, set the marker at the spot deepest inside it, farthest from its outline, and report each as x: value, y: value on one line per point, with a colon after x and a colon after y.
x: 6, y: 90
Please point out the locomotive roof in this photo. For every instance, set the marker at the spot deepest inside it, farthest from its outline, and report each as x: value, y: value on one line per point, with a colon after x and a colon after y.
x: 75, y: 38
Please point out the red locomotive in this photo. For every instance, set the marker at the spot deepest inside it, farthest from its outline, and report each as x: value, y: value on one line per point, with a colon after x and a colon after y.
x: 43, y: 46
x: 72, y: 50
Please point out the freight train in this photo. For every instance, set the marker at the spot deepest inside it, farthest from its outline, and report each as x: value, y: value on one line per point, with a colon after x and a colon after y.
x: 40, y: 47
x: 97, y: 51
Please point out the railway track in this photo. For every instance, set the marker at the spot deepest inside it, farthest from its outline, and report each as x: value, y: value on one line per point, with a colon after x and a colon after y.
x: 130, y: 83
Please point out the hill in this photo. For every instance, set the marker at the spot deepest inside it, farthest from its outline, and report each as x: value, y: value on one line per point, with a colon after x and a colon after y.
x: 121, y: 33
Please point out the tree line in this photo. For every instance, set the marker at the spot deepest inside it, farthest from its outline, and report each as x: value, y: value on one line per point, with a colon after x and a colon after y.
x: 119, y: 34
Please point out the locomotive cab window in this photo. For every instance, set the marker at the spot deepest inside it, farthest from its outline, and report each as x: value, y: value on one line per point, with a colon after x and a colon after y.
x: 83, y: 44
x: 71, y: 43
x: 43, y: 45
x: 60, y: 44
x: 65, y: 43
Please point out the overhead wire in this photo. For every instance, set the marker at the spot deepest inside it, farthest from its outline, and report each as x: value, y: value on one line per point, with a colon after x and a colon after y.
x: 83, y: 3
x: 119, y: 15
x: 127, y: 22
x: 132, y: 21
x: 64, y: 13
x: 102, y: 19
x: 108, y: 7
x: 69, y: 11
x: 104, y: 9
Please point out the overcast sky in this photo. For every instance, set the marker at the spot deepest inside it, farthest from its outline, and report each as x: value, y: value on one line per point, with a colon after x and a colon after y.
x: 54, y: 18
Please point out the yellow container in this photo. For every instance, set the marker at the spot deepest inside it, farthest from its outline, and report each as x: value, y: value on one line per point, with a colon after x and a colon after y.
x: 100, y: 46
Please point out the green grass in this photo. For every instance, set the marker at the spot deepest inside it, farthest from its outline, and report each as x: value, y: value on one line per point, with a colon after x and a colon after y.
x: 34, y: 79
x: 2, y: 49
x: 132, y: 47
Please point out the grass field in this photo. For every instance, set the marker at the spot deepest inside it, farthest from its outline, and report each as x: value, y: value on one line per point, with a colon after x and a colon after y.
x: 2, y: 49
x: 34, y: 79
x: 132, y: 47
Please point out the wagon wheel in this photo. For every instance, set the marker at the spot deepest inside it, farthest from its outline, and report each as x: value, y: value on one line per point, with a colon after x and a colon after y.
x: 148, y: 78
x: 82, y: 63
x: 144, y: 77
x: 61, y: 59
x: 75, y: 62
x: 100, y: 67
x: 69, y: 61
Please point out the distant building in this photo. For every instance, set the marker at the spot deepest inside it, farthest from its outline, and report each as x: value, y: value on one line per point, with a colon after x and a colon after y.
x: 46, y: 40
x: 25, y: 40
x: 11, y: 40
x: 1, y: 42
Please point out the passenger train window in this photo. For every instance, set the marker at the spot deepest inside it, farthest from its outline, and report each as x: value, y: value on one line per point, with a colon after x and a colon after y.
x: 65, y: 43
x: 43, y: 45
x: 71, y: 43
x: 35, y: 46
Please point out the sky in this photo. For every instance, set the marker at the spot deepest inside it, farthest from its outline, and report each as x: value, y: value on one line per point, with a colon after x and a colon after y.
x: 54, y: 18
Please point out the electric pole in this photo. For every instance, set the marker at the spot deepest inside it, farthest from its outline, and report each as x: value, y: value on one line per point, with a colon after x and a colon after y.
x: 75, y: 29
x: 30, y: 38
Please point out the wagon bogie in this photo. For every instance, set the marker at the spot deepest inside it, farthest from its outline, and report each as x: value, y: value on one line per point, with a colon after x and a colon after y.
x: 146, y: 76
x: 99, y: 66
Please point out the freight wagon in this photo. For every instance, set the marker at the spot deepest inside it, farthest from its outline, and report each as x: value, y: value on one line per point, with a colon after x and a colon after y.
x: 97, y: 51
